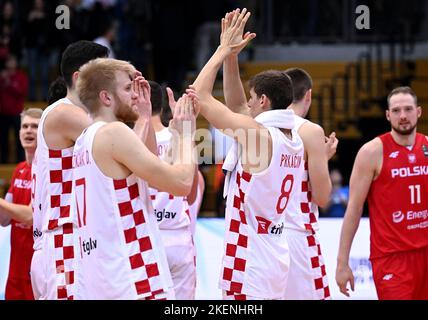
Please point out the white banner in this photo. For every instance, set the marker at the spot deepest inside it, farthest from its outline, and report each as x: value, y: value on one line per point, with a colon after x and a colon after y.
x: 209, y: 244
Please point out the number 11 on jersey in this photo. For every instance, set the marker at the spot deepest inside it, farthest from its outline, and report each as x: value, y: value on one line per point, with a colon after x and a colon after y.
x: 415, y: 194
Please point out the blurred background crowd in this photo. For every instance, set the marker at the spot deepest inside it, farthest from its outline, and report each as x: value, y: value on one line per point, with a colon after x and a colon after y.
x: 169, y: 42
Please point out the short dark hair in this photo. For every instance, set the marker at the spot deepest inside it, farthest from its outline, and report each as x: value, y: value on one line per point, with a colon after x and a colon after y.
x: 156, y: 97
x: 403, y: 90
x: 302, y: 82
x: 57, y: 90
x: 276, y: 85
x: 77, y: 54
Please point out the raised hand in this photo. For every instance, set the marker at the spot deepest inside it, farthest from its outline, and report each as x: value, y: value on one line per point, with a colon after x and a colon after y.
x: 331, y: 145
x: 142, y: 88
x: 171, y: 99
x: 232, y: 31
x: 184, y: 120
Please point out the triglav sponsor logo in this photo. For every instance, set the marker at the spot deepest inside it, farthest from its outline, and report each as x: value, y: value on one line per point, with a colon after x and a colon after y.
x: 162, y: 214
x: 263, y: 227
x: 88, y: 246
x: 37, y: 233
x: 397, y: 217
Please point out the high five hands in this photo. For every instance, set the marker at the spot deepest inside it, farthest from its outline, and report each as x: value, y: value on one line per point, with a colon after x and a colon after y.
x: 232, y: 31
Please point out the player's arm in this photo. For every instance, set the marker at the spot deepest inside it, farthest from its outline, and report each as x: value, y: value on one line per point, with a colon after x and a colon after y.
x: 366, y: 163
x: 18, y: 212
x: 314, y: 141
x: 64, y: 124
x: 234, y: 92
x: 195, y: 185
x: 177, y: 178
x: 143, y: 126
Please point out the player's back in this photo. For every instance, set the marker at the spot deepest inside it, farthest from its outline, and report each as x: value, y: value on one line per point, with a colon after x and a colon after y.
x: 51, y: 188
x: 302, y: 212
x: 256, y: 260
x: 398, y: 205
x: 122, y: 258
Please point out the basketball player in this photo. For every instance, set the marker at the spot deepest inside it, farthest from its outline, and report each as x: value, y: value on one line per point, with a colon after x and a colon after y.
x: 391, y: 171
x: 15, y: 211
x: 173, y: 213
x: 307, y: 276
x: 307, y: 280
x: 122, y: 253
x: 53, y: 264
x: 256, y: 261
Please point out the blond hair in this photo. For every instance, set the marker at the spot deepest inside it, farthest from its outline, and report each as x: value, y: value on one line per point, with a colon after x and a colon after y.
x: 98, y: 75
x: 32, y: 112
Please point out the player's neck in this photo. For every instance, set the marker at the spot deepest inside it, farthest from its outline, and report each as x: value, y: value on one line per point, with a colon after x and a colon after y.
x: 157, y: 123
x: 404, y: 140
x: 29, y: 155
x: 104, y: 114
x: 74, y: 98
x: 298, y: 109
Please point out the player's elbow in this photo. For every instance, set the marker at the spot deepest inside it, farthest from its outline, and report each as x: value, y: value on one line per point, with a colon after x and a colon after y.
x: 322, y: 197
x: 5, y: 223
x: 28, y: 221
x: 182, y: 189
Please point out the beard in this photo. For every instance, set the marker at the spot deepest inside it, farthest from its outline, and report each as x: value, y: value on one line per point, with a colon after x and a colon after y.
x: 404, y: 132
x: 125, y: 112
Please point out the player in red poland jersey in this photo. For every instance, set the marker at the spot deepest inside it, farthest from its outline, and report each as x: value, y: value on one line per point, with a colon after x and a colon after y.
x: 173, y: 213
x: 54, y: 261
x: 261, y: 168
x: 391, y: 171
x: 15, y: 210
x: 122, y: 253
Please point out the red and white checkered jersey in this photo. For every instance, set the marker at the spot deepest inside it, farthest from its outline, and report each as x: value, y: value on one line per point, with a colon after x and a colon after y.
x: 171, y: 212
x: 51, y: 187
x: 256, y: 259
x: 302, y: 213
x: 122, y: 254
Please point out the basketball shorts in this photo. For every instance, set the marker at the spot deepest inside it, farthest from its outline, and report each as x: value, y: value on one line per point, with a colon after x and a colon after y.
x: 402, y: 275
x: 307, y: 278
x: 180, y: 253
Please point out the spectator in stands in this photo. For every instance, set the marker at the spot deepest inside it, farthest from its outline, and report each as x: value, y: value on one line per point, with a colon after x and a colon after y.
x: 338, y: 198
x: 108, y: 35
x: 39, y: 44
x: 13, y: 92
x: 10, y: 29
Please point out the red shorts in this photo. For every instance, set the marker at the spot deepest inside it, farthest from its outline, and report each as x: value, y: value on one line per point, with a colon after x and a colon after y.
x: 402, y: 276
x: 18, y: 289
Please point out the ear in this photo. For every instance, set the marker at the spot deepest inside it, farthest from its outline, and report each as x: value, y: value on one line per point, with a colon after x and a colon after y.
x: 74, y: 77
x: 387, y: 115
x: 265, y: 102
x: 419, y: 111
x: 308, y: 96
x: 105, y: 98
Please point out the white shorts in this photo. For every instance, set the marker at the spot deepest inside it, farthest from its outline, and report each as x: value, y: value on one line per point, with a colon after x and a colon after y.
x: 180, y: 253
x: 227, y: 295
x: 307, y: 278
x: 61, y: 255
x: 38, y: 276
